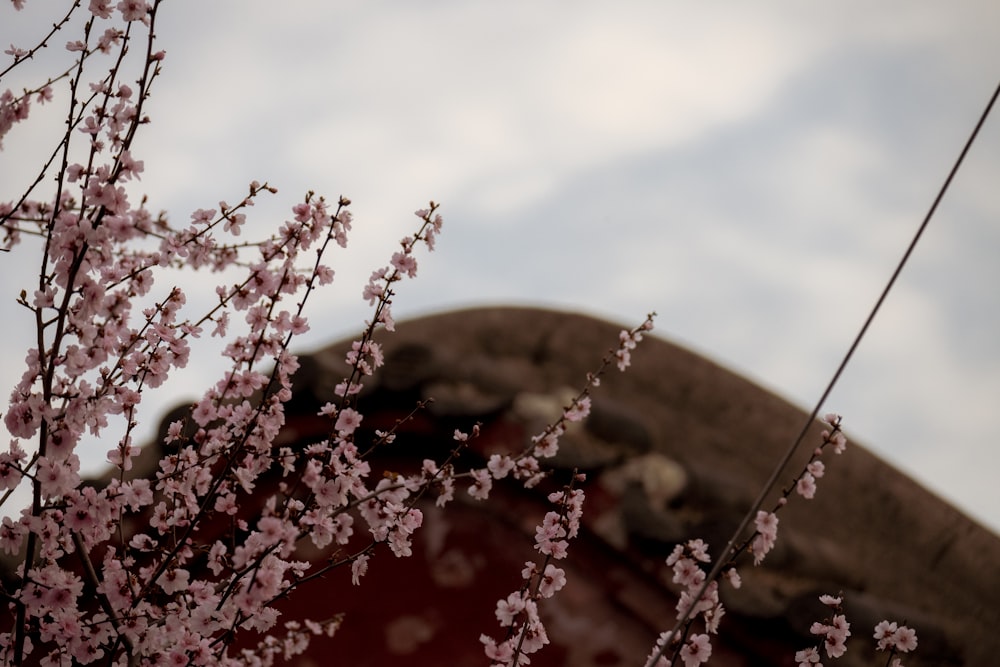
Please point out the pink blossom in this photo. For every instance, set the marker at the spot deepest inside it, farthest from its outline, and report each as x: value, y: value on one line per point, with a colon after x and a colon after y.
x: 348, y: 421
x: 699, y: 550
x: 839, y: 442
x: 234, y: 223
x: 558, y: 549
x: 405, y: 263
x: 891, y: 636
x: 203, y: 216
x: 74, y: 172
x: 11, y: 535
x: 130, y: 167
x: 57, y: 478
x: 534, y: 633
x: 676, y: 554
x: 884, y: 633
x: 547, y: 444
x: 359, y: 568
x: 687, y: 573
x: 806, y: 486
x: 101, y: 8
x: 134, y: 10
x: 658, y: 648
x: 24, y: 415
x: 767, y: 524
x: 579, y: 410
x: 345, y: 389
x: 624, y: 357
x: 552, y: 581
x: 324, y: 274
x: 627, y: 341
x: 225, y: 503
x: 550, y: 528
x: 204, y: 412
x: 174, y: 580
x: 500, y: 466
x: 446, y: 492
x: 500, y: 654
x: 481, y: 484
x: 835, y: 635
x: 708, y: 600
x: 840, y: 626
x: 527, y: 469
x: 807, y: 657
x: 406, y: 522
x: 509, y: 609
x: 697, y: 650
x: 713, y: 617
x: 906, y: 639
x: 373, y: 291
x: 767, y: 534
x: 835, y: 646
x: 109, y: 38
x: 10, y: 473
x: 385, y: 319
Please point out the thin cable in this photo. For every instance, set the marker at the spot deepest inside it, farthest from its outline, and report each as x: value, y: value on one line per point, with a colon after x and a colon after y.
x: 772, y: 480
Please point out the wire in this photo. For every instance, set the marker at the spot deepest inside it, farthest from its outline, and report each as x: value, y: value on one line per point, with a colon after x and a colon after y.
x: 772, y: 480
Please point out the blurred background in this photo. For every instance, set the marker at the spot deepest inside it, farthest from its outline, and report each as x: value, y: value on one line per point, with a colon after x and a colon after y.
x: 752, y: 172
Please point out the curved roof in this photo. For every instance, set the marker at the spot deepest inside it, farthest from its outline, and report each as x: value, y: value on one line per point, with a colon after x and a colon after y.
x: 676, y: 448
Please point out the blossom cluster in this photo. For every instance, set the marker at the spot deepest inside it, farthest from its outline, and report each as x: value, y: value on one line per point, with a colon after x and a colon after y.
x: 804, y: 484
x: 137, y: 569
x: 697, y: 598
x: 699, y: 595
x: 518, y: 612
x: 893, y: 637
x: 95, y: 363
x: 170, y: 566
x: 835, y: 630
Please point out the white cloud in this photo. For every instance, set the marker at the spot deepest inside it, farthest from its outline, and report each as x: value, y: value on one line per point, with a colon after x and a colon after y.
x: 750, y: 171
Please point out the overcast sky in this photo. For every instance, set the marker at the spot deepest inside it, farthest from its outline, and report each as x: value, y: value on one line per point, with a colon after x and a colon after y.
x: 751, y: 171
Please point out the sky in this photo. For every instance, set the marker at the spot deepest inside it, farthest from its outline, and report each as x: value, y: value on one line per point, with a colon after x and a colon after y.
x: 750, y: 171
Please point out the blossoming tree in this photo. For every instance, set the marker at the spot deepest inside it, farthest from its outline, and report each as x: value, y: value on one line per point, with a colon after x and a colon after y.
x: 93, y: 584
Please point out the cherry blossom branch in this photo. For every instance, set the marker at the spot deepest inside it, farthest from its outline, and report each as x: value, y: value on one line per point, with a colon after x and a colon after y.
x: 21, y: 55
x: 89, y: 364
x: 700, y: 597
x: 835, y: 630
x: 557, y: 527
